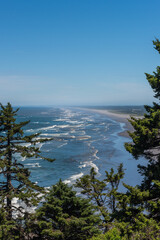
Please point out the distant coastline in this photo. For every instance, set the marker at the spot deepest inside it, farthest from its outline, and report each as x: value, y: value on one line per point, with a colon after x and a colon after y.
x: 117, y: 116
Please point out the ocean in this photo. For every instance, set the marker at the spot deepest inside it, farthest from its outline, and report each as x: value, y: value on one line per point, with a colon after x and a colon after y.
x: 81, y: 140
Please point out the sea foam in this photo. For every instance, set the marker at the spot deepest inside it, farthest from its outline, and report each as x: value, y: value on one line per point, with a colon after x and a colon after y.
x: 73, y: 178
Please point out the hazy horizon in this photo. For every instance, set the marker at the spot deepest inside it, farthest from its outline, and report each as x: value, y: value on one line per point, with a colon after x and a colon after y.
x: 75, y: 106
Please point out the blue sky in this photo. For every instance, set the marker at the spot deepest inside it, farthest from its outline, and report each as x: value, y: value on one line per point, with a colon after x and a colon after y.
x: 77, y: 52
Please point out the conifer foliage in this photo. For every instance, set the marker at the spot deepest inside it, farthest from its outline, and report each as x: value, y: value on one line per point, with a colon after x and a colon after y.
x: 146, y: 142
x: 102, y: 193
x: 14, y: 178
x: 65, y: 216
x: 146, y: 136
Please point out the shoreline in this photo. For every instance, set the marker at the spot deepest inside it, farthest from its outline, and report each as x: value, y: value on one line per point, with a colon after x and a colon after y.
x: 119, y: 117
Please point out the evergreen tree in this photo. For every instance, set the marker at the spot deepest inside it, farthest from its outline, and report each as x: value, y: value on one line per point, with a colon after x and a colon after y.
x: 102, y: 193
x: 65, y: 216
x: 146, y: 136
x: 14, y: 181
x: 146, y: 142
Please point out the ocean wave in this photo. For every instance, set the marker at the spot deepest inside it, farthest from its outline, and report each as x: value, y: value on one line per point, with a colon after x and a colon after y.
x: 39, y: 145
x: 76, y: 176
x: 94, y: 166
x: 60, y: 120
x: 54, y: 134
x: 72, y: 131
x: 73, y: 178
x: 68, y: 113
x: 102, y: 124
x: 91, y: 164
x: 62, y: 145
x: 88, y: 119
x: 105, y: 138
x: 41, y: 129
x: 81, y: 138
x: 81, y: 132
x: 96, y: 129
x: 83, y: 165
x: 46, y: 128
x: 63, y: 126
x: 95, y: 154
x: 55, y: 127
x: 41, y: 138
x: 30, y: 130
x: 68, y: 137
x: 25, y: 144
x: 59, y: 136
x: 33, y: 164
x: 70, y: 126
x: 41, y: 122
x: 74, y: 122
x: 78, y: 126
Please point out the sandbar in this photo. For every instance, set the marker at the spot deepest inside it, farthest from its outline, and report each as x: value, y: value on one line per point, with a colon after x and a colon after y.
x: 120, y: 117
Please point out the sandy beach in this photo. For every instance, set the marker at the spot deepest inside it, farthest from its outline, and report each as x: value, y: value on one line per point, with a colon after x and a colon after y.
x: 120, y: 117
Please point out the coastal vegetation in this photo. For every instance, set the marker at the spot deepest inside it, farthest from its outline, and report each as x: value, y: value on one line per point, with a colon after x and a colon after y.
x: 63, y: 215
x: 15, y: 183
x: 104, y: 212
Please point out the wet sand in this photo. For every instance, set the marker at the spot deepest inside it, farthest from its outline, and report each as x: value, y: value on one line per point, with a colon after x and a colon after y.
x: 120, y: 117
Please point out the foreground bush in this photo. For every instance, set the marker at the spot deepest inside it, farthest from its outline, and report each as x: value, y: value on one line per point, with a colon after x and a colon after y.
x: 150, y: 231
x: 64, y: 216
x: 113, y: 234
